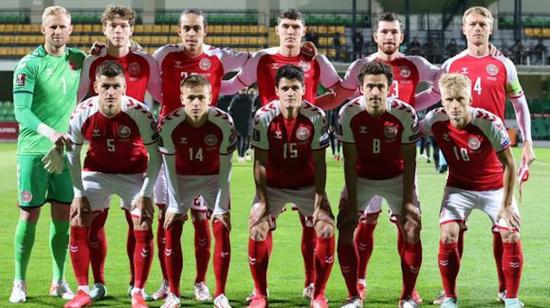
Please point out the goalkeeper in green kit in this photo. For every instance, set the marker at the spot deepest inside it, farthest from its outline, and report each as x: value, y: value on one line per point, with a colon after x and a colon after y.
x: 44, y: 91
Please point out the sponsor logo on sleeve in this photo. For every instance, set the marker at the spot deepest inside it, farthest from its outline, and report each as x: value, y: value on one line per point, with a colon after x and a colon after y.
x: 20, y: 80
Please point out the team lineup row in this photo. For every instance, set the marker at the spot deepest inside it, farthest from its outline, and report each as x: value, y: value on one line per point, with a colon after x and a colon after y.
x: 378, y: 129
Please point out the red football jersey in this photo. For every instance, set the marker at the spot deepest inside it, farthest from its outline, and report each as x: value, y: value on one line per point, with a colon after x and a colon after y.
x: 263, y: 66
x: 378, y: 140
x: 471, y: 151
x: 197, y: 149
x: 140, y: 71
x: 408, y: 72
x: 290, y: 144
x: 493, y: 78
x: 117, y: 143
x: 213, y: 63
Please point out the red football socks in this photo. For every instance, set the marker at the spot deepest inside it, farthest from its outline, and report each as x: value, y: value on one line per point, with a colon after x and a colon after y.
x: 173, y: 256
x: 222, y: 255
x: 498, y: 254
x: 512, y: 265
x: 130, y: 244
x: 98, y: 246
x: 80, y: 253
x: 364, y: 241
x: 258, y: 259
x: 161, y: 242
x: 202, y: 248
x: 449, y: 265
x: 308, y: 251
x: 347, y: 255
x: 143, y: 256
x: 324, y: 260
x: 411, y: 260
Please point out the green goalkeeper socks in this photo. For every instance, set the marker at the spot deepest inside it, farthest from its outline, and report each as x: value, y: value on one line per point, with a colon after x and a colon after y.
x: 59, y: 241
x: 24, y: 240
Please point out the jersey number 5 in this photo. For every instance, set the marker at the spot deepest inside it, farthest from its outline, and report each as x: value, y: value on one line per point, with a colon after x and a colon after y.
x: 111, y: 145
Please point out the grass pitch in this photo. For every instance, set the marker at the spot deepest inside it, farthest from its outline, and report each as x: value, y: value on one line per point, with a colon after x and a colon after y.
x: 477, y: 280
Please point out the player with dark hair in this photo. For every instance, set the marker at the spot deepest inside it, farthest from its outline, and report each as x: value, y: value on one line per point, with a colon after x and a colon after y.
x: 262, y: 68
x: 379, y: 136
x: 122, y: 159
x: 289, y: 140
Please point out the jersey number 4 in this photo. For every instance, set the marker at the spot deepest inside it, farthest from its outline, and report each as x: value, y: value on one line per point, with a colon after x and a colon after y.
x: 477, y: 86
x: 195, y: 154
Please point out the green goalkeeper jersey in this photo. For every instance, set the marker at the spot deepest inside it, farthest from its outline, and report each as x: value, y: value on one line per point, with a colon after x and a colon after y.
x: 44, y: 91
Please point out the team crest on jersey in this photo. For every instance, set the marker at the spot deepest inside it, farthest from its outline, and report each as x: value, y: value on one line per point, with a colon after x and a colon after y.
x: 306, y: 66
x: 303, y: 133
x: 404, y: 72
x: 124, y: 132
x: 474, y: 143
x: 390, y: 130
x: 26, y: 196
x: 205, y: 64
x: 20, y: 80
x: 210, y: 140
x: 134, y: 69
x: 492, y: 69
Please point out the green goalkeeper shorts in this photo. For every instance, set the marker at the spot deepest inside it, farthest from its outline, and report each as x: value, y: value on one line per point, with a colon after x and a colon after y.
x: 36, y: 186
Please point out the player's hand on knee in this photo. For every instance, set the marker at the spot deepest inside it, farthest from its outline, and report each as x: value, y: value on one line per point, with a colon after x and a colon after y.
x: 410, y: 217
x: 224, y: 218
x: 81, y: 212
x: 510, y: 217
x: 259, y: 231
x: 170, y: 218
x: 144, y: 206
x: 258, y: 213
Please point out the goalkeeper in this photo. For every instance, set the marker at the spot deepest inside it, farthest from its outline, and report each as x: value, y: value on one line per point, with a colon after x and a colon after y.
x: 44, y: 92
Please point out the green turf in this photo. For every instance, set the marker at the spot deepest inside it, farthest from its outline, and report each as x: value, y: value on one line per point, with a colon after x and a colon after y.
x: 477, y: 280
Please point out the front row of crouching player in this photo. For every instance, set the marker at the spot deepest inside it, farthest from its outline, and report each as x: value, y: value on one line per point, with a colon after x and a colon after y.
x: 289, y: 140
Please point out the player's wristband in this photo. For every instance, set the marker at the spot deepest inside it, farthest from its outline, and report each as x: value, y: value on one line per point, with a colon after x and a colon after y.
x: 45, y: 130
